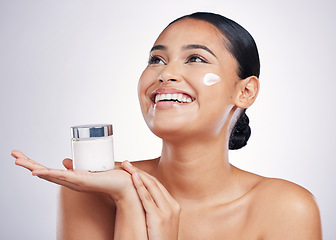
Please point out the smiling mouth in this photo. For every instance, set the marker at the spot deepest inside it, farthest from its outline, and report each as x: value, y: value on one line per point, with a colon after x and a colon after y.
x: 173, y: 97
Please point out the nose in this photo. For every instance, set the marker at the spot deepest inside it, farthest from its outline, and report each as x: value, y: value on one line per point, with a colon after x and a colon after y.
x: 171, y: 73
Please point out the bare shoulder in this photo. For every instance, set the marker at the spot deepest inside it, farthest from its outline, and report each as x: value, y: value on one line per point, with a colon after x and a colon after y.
x: 286, y: 210
x: 285, y: 193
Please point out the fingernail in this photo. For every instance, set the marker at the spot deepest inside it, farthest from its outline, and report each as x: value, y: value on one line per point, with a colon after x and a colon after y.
x: 128, y: 163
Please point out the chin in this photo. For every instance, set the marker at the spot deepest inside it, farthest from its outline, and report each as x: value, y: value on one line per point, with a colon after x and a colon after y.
x: 168, y: 128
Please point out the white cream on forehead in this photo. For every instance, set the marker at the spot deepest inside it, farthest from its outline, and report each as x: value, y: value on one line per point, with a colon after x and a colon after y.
x: 210, y: 79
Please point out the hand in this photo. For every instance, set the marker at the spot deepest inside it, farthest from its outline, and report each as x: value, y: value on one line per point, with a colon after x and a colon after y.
x: 116, y: 183
x: 162, y: 210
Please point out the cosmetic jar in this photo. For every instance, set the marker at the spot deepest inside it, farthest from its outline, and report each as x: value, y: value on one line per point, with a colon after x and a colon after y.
x: 92, y: 147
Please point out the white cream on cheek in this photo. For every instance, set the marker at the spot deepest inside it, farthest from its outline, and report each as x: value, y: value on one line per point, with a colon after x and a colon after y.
x: 210, y: 79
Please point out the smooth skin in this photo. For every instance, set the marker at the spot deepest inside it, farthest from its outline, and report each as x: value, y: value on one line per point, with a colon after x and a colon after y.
x: 191, y: 191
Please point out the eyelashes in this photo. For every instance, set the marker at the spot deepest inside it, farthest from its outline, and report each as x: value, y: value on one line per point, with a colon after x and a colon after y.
x: 155, y: 60
x: 196, y: 59
x: 193, y: 58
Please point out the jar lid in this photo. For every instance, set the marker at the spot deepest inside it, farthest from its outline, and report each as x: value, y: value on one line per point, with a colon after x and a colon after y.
x: 91, y: 131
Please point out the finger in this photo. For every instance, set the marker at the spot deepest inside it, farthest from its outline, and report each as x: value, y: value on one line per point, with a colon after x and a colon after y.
x: 71, y: 179
x: 146, y: 199
x: 147, y: 181
x: 130, y: 168
x: 161, y: 197
x: 68, y: 164
x: 126, y: 165
x: 18, y: 154
x: 152, y: 186
x: 28, y: 164
x: 164, y: 191
x: 23, y: 161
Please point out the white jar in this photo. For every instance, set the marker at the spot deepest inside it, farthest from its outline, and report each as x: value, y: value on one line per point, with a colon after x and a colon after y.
x: 92, y: 147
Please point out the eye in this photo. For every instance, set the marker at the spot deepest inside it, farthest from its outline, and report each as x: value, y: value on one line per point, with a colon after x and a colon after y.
x: 155, y: 60
x: 196, y: 59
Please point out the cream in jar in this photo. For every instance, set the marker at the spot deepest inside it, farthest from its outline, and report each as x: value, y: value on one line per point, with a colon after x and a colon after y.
x: 92, y: 147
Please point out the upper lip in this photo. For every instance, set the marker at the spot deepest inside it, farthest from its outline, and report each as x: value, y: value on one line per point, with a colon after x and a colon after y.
x: 169, y: 90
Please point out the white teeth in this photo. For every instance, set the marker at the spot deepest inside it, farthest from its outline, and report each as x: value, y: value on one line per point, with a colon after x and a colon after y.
x: 175, y: 96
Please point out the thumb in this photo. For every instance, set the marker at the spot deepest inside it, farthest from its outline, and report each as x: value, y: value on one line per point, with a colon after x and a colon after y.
x: 67, y: 163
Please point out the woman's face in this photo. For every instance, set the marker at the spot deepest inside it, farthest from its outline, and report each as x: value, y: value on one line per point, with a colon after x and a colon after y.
x: 189, y: 85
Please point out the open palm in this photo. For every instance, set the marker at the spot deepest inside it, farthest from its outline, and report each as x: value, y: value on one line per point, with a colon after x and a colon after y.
x: 113, y: 182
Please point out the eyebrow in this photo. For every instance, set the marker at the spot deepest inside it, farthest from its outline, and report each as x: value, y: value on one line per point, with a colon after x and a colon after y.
x: 186, y: 47
x: 197, y: 46
x: 158, y: 47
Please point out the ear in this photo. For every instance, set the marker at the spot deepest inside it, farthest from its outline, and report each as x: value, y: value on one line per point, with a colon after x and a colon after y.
x: 247, y: 91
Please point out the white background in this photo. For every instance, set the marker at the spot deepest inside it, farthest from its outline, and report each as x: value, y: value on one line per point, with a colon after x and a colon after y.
x: 71, y: 62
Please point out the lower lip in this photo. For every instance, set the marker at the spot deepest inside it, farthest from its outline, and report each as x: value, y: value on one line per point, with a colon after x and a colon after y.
x: 168, y: 105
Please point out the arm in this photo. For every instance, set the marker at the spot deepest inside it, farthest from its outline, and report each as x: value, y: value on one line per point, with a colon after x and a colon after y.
x: 84, y: 216
x: 91, y: 216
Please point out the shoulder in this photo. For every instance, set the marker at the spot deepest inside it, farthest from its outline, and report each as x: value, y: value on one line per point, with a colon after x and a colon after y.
x: 286, y: 210
x: 273, y: 194
x: 285, y: 193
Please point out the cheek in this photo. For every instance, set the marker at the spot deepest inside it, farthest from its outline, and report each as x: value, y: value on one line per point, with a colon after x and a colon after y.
x: 145, y: 81
x: 210, y: 79
x: 143, y: 85
x: 203, y: 77
x: 216, y: 93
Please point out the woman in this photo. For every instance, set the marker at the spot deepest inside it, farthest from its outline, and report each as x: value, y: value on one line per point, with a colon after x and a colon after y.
x: 201, y: 76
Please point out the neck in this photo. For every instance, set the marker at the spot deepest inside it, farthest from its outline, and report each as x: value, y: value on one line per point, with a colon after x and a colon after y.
x: 195, y: 170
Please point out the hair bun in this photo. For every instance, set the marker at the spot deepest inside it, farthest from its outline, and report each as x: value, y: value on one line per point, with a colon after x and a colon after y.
x: 241, y: 132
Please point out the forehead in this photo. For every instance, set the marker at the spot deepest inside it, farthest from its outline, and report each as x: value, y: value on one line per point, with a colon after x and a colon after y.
x: 191, y: 31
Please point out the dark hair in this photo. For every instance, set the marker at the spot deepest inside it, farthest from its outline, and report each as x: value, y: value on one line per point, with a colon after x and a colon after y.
x: 243, y: 48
